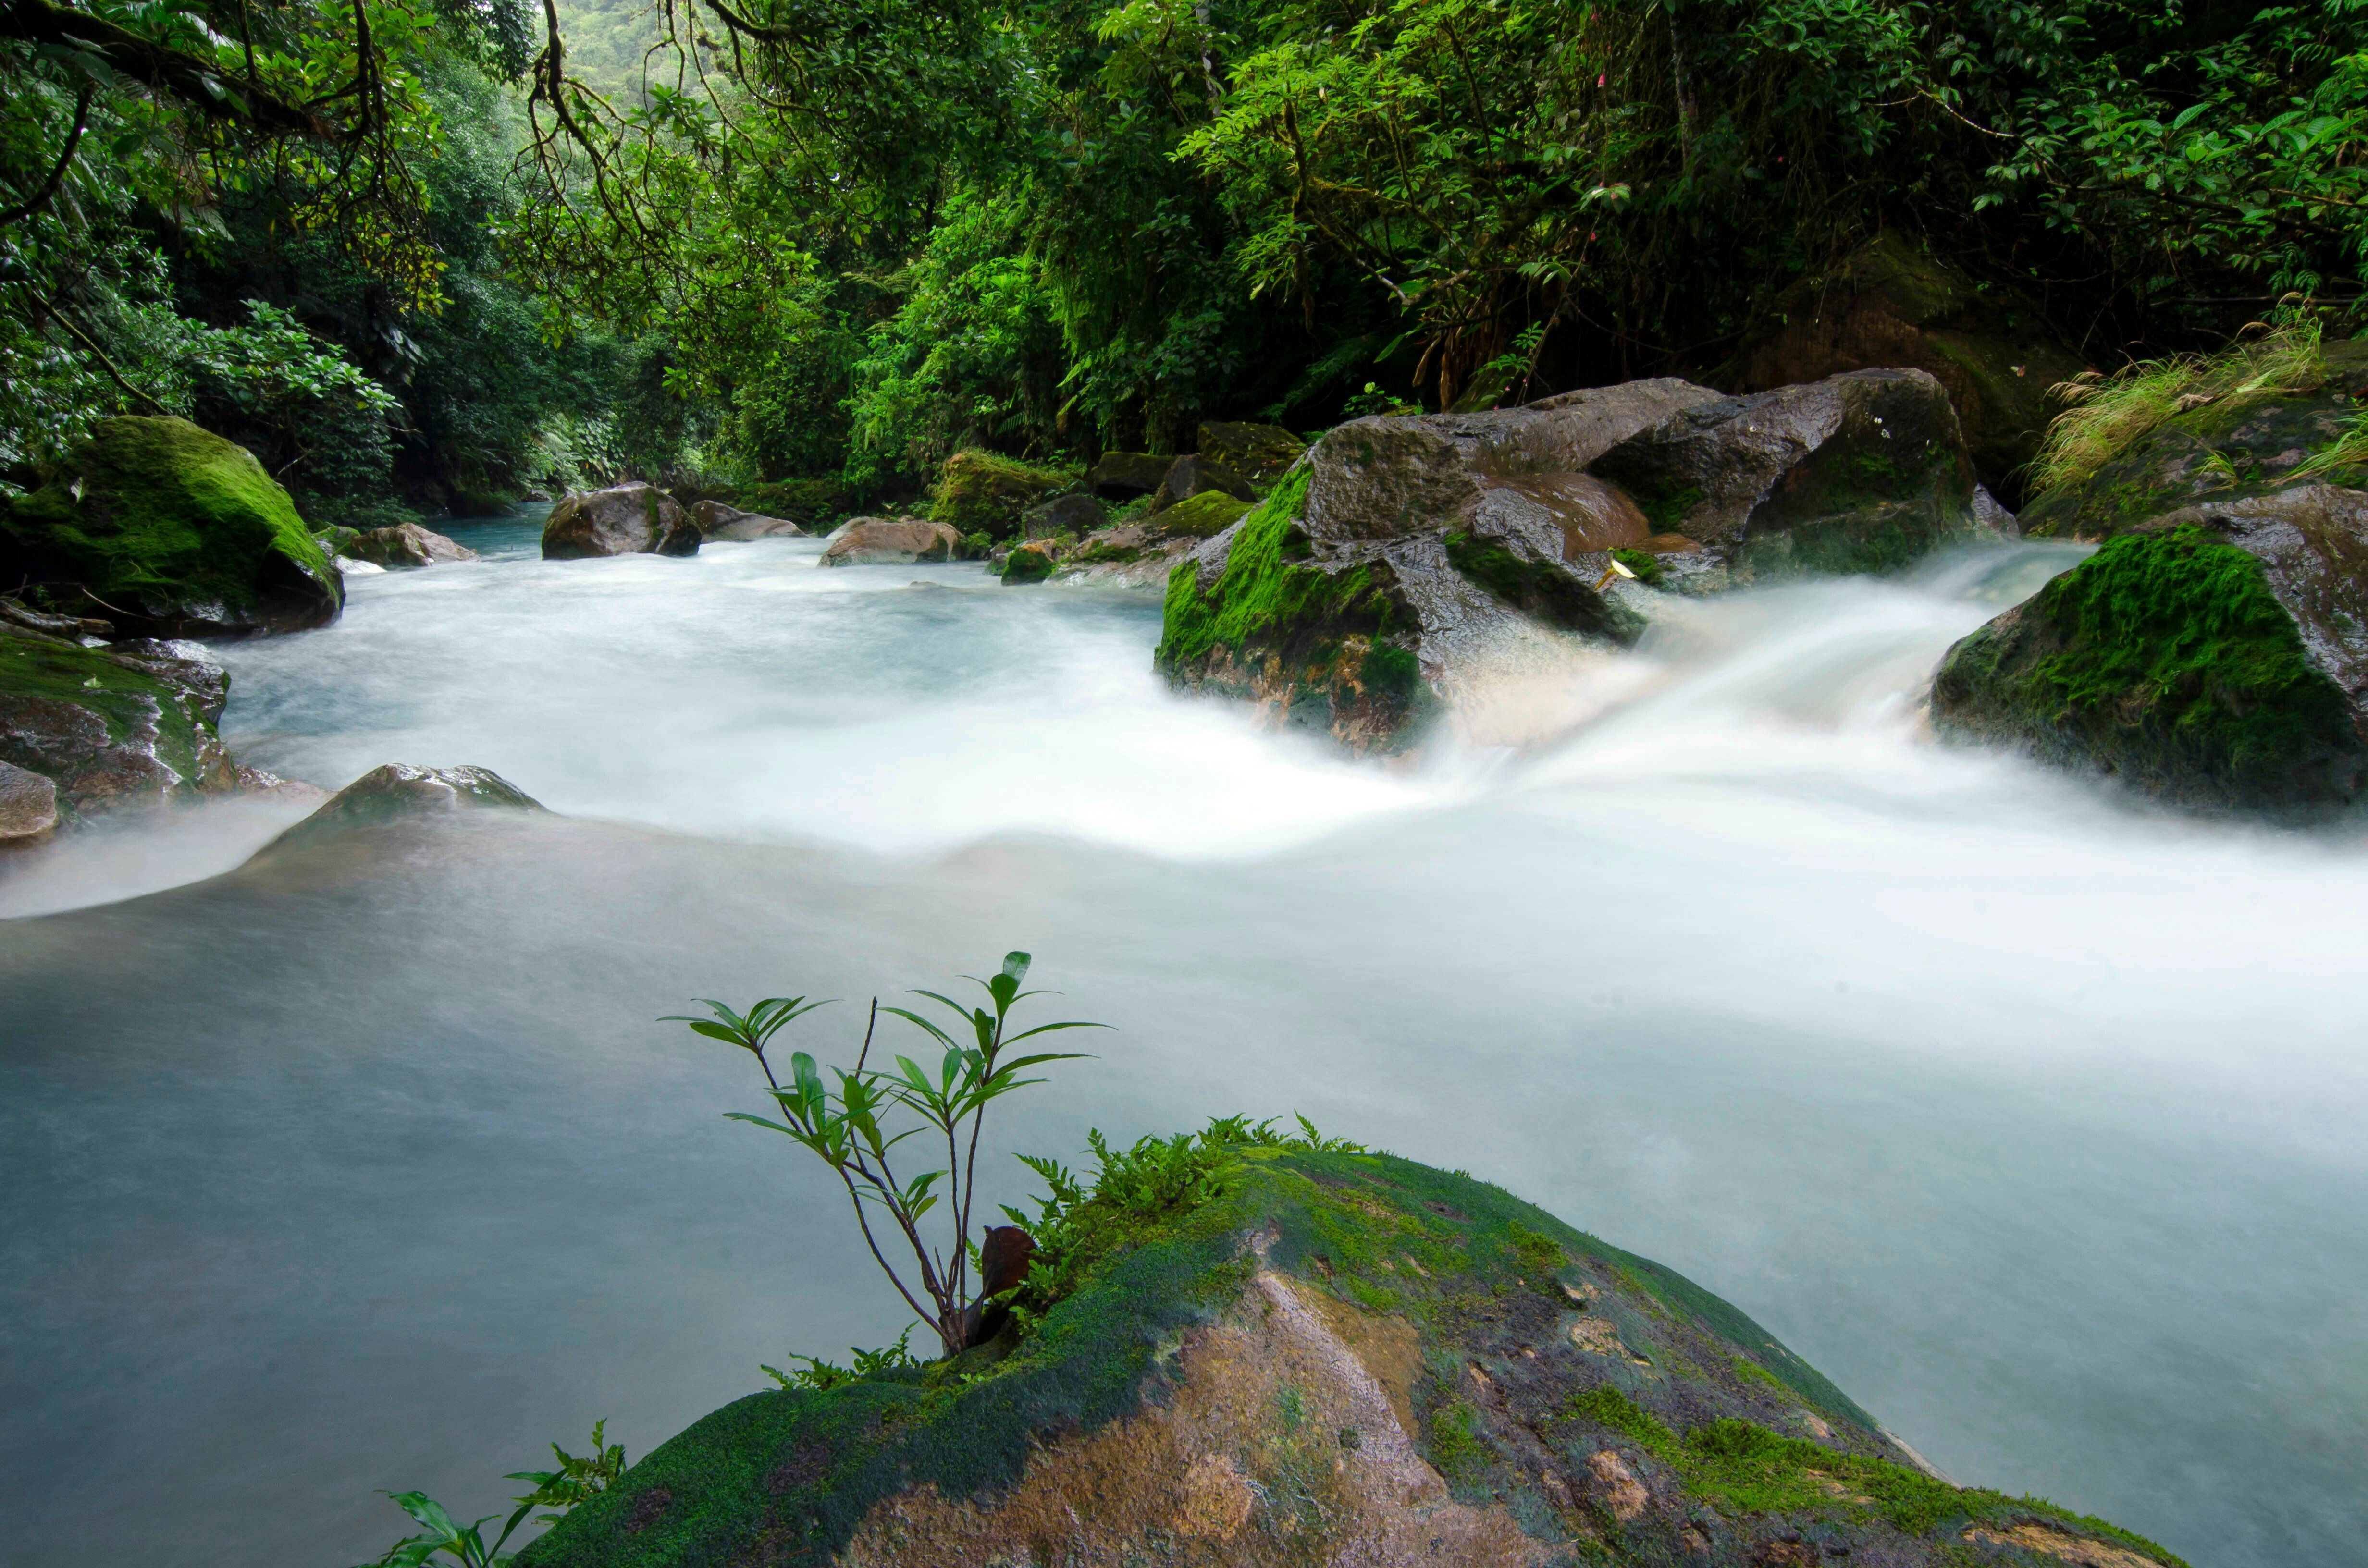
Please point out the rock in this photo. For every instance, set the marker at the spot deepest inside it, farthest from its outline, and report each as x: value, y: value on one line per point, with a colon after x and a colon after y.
x: 1890, y: 306
x: 2219, y: 452
x: 1193, y: 474
x: 1259, y: 451
x: 1122, y: 476
x: 1029, y: 563
x: 332, y: 537
x: 405, y: 546
x: 129, y: 725
x: 1077, y: 514
x: 1864, y: 472
x: 985, y: 493
x: 625, y: 519
x: 399, y: 791
x: 1137, y: 554
x: 167, y: 530
x: 349, y: 567
x: 877, y: 541
x: 716, y: 520
x: 29, y: 807
x: 1332, y: 1358
x: 2218, y: 658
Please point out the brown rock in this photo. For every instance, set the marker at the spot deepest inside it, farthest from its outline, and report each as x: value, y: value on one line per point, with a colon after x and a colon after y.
x: 625, y: 519
x: 405, y: 546
x: 29, y: 807
x: 716, y: 520
x: 877, y: 541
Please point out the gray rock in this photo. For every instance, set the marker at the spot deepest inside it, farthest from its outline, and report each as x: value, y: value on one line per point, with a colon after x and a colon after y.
x: 404, y: 546
x: 1079, y: 515
x: 1122, y: 476
x: 29, y: 807
x: 1193, y: 474
x: 878, y: 541
x: 625, y: 519
x: 717, y: 520
x: 400, y: 791
x: 1260, y: 451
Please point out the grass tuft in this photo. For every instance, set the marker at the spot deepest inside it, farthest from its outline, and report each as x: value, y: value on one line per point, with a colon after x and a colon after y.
x: 2107, y: 415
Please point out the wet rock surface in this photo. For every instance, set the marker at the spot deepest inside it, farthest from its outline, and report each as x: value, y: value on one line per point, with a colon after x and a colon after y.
x: 901, y: 541
x: 129, y: 725
x: 165, y: 530
x: 1338, y: 1358
x: 400, y: 791
x: 624, y: 519
x: 717, y: 520
x: 28, y: 806
x: 404, y: 547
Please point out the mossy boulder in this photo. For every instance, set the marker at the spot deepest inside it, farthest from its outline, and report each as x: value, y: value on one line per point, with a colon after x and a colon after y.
x: 1029, y: 563
x: 169, y: 531
x: 623, y: 519
x: 1122, y: 476
x: 1259, y: 452
x: 404, y: 547
x: 986, y: 492
x: 1891, y: 304
x: 132, y: 724
x: 2169, y: 660
x: 396, y: 792
x: 1321, y: 1358
x: 1193, y: 474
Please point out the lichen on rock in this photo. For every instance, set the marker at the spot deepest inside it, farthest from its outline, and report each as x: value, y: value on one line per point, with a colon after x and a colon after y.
x: 1322, y: 1358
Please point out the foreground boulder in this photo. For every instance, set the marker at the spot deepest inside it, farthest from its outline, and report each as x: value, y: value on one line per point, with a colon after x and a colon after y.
x: 986, y: 492
x: 29, y: 807
x: 1410, y: 562
x: 399, y: 791
x: 718, y: 521
x: 404, y: 547
x: 1330, y: 1358
x: 880, y: 542
x: 129, y: 725
x: 625, y: 519
x: 1891, y: 304
x: 168, y: 531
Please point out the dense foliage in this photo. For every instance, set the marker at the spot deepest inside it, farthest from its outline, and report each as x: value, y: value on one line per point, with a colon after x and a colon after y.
x: 786, y: 239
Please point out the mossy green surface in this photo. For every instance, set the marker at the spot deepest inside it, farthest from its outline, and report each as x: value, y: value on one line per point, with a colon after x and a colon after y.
x: 2165, y: 659
x: 133, y: 705
x: 1644, y: 564
x: 1265, y: 595
x: 1026, y: 565
x: 1204, y: 516
x: 985, y: 492
x: 1490, y: 1286
x: 170, y: 521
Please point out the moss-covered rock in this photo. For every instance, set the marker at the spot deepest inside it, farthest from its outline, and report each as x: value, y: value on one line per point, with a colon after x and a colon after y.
x: 110, y: 727
x: 171, y: 531
x: 1329, y: 1358
x: 402, y: 791
x: 1029, y: 563
x: 2167, y: 661
x: 1257, y: 451
x: 1892, y: 304
x: 1122, y: 476
x: 404, y: 547
x: 623, y: 519
x: 985, y: 493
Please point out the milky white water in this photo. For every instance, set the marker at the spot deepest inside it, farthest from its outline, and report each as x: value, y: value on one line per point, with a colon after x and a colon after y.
x: 2030, y: 1118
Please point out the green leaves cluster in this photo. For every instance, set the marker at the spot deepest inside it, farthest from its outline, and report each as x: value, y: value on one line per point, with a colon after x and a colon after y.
x: 578, y: 1479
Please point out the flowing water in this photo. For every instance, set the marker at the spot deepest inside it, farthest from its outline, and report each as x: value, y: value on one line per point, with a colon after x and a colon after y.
x: 2030, y: 1118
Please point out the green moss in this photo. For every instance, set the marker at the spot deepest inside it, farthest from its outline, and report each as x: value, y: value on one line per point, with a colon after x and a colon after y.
x: 985, y: 493
x: 126, y: 700
x: 1540, y: 588
x: 171, y: 517
x: 1264, y: 596
x: 1204, y: 516
x: 1460, y: 1454
x: 1644, y: 564
x: 1022, y: 566
x: 2165, y: 658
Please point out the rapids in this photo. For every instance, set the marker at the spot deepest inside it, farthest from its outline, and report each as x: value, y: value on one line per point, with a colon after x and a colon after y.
x: 2028, y: 1116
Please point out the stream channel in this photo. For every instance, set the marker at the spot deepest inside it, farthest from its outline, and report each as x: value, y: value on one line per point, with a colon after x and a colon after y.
x: 2030, y: 1116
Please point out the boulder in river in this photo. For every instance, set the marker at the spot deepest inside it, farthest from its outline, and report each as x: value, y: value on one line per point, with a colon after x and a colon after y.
x: 1193, y: 474
x: 988, y: 493
x: 717, y: 520
x: 1029, y: 563
x: 132, y: 724
x: 168, y: 531
x: 404, y: 546
x: 1122, y: 476
x: 1890, y: 304
x: 1330, y: 1358
x: 398, y: 791
x: 624, y: 519
x: 1410, y: 561
x: 28, y: 806
x: 881, y: 541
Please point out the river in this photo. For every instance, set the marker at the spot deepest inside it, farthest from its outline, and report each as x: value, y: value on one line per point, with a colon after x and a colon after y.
x: 2028, y: 1116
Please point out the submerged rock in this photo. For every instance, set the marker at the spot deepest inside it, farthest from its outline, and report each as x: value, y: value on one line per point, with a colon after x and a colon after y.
x: 404, y: 546
x: 878, y: 541
x: 1890, y: 305
x: 624, y: 519
x: 399, y: 790
x: 170, y: 530
x: 718, y: 521
x: 1333, y: 1359
x: 29, y: 807
x: 113, y: 727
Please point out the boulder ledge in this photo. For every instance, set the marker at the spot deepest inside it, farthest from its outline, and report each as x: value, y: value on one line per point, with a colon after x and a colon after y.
x: 1321, y: 1357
